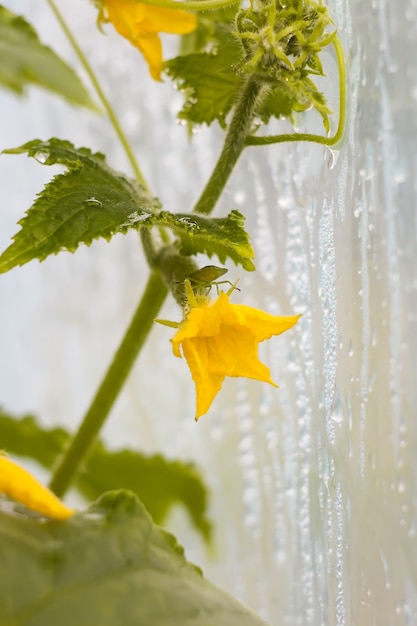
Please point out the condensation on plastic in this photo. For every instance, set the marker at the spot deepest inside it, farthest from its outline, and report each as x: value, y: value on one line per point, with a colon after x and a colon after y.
x: 313, y: 486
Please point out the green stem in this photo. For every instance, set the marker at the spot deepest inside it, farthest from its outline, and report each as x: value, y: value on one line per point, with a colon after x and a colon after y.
x: 100, y: 93
x: 142, y: 321
x: 192, y: 5
x: 233, y: 145
x: 327, y: 141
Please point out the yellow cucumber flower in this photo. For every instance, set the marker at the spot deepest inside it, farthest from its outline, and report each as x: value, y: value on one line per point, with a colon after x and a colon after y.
x: 220, y: 339
x: 140, y: 24
x: 19, y: 485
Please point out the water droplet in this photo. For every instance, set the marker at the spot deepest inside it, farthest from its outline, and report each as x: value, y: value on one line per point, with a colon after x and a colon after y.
x: 331, y: 158
x: 366, y: 175
x: 94, y: 201
x: 41, y: 156
x: 189, y: 222
x: 400, y: 177
x: 135, y: 217
x: 239, y: 197
x: 285, y: 202
x: 93, y: 516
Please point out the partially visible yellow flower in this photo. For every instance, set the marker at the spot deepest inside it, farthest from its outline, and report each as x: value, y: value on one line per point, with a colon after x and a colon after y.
x: 141, y: 23
x: 220, y: 339
x: 19, y: 485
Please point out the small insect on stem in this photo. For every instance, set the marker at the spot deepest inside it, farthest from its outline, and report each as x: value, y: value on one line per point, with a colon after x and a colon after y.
x: 203, y: 279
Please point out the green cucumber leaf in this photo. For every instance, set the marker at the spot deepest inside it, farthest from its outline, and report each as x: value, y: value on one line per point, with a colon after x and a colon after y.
x: 89, y: 201
x: 109, y: 566
x: 25, y: 60
x: 208, y: 81
x: 160, y: 483
x: 223, y: 236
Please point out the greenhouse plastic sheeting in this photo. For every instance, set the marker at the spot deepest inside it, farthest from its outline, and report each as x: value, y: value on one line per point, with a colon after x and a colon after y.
x: 314, y: 485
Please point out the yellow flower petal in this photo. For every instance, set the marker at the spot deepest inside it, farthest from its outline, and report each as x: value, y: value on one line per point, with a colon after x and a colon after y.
x: 220, y: 339
x: 151, y: 48
x: 140, y: 24
x: 264, y: 325
x: 207, y: 383
x: 19, y: 485
x: 235, y: 351
x: 172, y: 21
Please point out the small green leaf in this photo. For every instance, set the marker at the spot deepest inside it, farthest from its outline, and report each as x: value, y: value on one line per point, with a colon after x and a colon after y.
x: 109, y: 566
x: 222, y: 236
x: 276, y: 104
x: 208, y: 81
x: 90, y: 201
x: 25, y: 60
x: 159, y: 483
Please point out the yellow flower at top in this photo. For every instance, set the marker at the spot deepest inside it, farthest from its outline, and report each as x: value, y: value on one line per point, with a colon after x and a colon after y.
x: 140, y: 24
x: 220, y: 339
x: 18, y: 484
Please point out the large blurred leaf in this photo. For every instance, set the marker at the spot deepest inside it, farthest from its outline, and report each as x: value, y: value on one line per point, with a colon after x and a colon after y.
x: 25, y: 60
x: 109, y: 566
x: 158, y: 482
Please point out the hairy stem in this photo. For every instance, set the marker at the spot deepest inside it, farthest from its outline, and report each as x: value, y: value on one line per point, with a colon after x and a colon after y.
x: 136, y: 334
x: 233, y: 145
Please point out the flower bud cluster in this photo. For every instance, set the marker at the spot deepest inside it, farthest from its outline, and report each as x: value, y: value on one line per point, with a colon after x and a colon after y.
x: 282, y: 42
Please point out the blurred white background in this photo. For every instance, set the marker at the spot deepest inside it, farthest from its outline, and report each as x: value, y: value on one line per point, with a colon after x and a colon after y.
x: 313, y: 486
